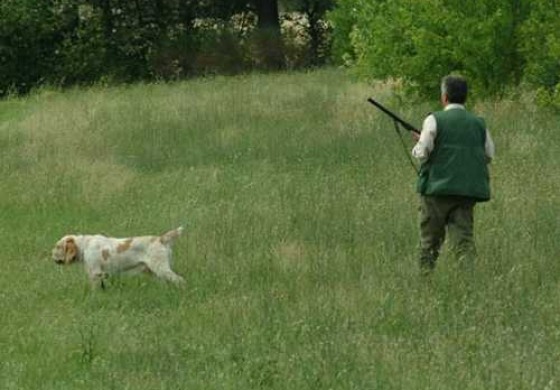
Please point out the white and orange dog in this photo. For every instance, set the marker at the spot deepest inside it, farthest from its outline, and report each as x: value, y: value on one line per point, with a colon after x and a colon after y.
x: 104, y: 256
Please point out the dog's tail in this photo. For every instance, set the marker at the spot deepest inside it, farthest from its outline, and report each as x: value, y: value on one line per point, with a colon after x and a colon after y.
x: 170, y: 236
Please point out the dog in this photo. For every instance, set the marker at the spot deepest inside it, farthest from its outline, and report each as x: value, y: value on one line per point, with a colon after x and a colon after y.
x: 104, y: 256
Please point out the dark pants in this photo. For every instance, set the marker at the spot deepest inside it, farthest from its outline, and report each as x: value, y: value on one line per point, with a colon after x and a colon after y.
x: 441, y: 214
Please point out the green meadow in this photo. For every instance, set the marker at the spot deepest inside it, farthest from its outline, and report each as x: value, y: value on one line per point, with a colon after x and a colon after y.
x: 299, y: 251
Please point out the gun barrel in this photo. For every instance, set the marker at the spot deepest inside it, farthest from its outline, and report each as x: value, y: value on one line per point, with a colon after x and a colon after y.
x: 394, y: 116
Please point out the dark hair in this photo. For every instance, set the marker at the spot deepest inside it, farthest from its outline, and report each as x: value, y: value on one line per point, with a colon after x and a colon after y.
x: 456, y: 89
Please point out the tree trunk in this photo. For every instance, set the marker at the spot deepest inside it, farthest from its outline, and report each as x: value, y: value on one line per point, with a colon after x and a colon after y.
x: 107, y: 16
x: 270, y: 51
x: 107, y: 20
x: 314, y: 36
x: 269, y: 17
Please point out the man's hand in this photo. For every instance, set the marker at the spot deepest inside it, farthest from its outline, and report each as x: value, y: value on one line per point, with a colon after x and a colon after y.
x: 415, y: 136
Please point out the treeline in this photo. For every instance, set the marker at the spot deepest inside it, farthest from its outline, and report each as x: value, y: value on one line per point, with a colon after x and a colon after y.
x: 499, y: 45
x: 69, y: 42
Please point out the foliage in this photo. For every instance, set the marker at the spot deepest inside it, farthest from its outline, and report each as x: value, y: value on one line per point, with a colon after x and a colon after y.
x: 318, y: 31
x: 29, y: 36
x: 496, y: 44
x: 82, y: 52
x: 68, y: 42
x: 343, y: 19
x: 541, y: 49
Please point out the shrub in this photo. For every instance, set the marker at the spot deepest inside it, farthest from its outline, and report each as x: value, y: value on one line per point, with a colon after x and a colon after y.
x: 420, y: 42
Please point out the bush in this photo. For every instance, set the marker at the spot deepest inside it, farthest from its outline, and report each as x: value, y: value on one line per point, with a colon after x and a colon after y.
x: 30, y: 34
x: 541, y: 49
x: 420, y: 42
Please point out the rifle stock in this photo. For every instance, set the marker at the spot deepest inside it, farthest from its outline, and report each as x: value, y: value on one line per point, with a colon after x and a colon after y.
x: 394, y: 116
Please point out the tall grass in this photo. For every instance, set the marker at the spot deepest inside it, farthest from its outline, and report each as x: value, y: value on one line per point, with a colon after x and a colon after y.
x: 300, y: 252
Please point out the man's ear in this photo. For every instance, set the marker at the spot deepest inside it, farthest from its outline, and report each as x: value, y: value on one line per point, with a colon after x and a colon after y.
x: 70, y: 250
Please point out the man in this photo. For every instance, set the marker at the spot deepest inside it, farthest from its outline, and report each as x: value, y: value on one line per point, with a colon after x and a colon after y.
x: 454, y: 148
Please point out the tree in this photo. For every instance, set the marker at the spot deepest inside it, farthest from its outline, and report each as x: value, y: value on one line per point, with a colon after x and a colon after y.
x: 30, y: 34
x: 343, y: 18
x: 315, y: 11
x: 69, y: 42
x: 268, y: 34
x: 419, y: 42
x: 540, y: 47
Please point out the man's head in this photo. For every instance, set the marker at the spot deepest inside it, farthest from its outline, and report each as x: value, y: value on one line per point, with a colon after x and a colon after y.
x: 453, y: 90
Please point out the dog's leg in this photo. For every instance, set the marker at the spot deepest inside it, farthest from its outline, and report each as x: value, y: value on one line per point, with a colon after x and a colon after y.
x: 162, y: 270
x: 97, y: 280
x: 96, y: 277
x: 171, y: 276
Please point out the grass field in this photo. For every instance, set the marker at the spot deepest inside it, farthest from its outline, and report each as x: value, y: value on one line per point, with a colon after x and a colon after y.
x: 299, y: 257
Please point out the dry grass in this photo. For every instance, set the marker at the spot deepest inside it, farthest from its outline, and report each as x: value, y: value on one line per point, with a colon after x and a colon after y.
x: 300, y: 252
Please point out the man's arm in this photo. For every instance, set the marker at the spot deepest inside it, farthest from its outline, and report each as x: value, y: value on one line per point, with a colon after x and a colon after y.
x: 489, y: 147
x: 426, y: 140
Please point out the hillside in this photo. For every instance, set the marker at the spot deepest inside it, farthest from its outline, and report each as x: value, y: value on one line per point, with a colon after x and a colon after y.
x: 300, y: 245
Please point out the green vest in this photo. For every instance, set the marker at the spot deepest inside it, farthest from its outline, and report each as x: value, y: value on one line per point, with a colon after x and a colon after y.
x: 457, y: 165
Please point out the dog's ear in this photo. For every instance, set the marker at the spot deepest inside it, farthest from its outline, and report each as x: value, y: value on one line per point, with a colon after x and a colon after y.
x: 70, y: 250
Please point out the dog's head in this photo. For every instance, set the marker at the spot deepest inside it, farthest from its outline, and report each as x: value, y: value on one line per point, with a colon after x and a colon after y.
x: 65, y: 250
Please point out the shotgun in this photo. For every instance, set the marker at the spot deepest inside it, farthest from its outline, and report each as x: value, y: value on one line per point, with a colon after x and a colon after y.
x: 398, y: 121
x: 394, y: 116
